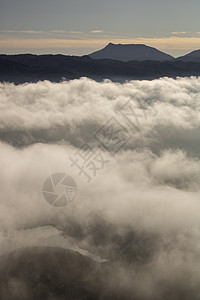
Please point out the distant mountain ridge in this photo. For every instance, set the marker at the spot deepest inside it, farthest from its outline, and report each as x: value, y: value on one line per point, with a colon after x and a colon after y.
x: 193, y: 56
x: 128, y: 52
x: 32, y: 68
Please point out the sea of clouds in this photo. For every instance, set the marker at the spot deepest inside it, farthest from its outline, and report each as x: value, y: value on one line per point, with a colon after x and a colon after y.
x: 141, y: 209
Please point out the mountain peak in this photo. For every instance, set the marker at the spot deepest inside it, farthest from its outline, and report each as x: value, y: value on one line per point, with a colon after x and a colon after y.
x: 127, y: 52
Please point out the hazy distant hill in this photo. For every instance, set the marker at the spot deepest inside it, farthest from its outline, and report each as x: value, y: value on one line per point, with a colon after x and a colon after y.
x: 129, y: 52
x: 46, y: 273
x: 193, y: 56
x: 49, y: 274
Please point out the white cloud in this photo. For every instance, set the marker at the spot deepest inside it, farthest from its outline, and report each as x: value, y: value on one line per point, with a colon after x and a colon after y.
x: 46, y: 104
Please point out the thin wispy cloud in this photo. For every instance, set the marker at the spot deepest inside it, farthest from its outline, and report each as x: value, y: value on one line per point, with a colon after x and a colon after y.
x: 97, y: 31
x: 25, y: 31
x: 75, y: 32
x: 179, y: 32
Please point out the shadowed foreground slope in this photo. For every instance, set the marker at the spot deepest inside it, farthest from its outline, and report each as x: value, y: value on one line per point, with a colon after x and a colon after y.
x: 49, y: 273
x: 57, y: 274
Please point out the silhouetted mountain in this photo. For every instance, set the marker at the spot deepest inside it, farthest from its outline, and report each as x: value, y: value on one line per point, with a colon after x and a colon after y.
x: 193, y: 56
x: 130, y: 52
x: 32, y: 68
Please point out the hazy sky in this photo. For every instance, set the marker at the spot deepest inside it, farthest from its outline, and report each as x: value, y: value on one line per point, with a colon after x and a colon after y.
x: 82, y: 26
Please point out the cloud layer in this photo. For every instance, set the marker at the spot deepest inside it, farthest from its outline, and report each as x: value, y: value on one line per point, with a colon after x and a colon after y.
x: 141, y: 211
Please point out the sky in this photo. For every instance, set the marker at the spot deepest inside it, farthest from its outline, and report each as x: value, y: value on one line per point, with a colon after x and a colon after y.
x: 82, y: 26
